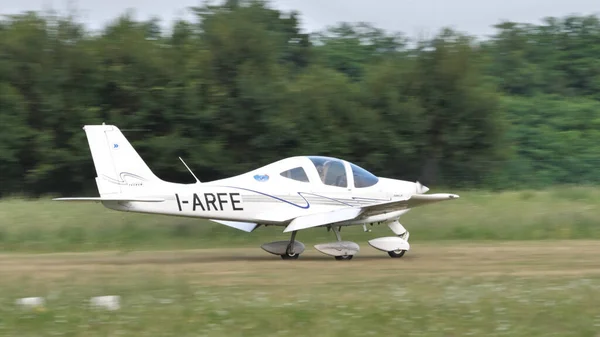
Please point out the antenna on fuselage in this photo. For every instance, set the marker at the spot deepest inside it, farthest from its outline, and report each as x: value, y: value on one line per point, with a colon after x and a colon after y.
x: 193, y: 175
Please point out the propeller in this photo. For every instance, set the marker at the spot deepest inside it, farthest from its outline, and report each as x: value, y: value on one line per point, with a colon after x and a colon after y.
x: 420, y: 188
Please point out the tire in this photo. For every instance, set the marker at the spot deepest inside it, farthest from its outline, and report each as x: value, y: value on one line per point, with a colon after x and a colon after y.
x: 290, y: 257
x: 344, y: 258
x: 396, y: 253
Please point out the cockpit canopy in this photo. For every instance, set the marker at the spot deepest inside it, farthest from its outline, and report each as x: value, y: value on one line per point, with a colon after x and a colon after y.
x: 331, y: 172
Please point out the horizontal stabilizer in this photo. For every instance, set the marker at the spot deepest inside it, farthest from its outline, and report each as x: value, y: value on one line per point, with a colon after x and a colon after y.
x: 123, y: 199
x: 243, y: 226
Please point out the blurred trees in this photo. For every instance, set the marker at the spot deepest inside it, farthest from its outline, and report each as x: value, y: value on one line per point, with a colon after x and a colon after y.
x: 242, y: 86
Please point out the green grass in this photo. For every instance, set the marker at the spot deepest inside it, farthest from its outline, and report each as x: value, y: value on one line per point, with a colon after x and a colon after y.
x: 441, y: 289
x: 46, y: 226
x: 417, y: 307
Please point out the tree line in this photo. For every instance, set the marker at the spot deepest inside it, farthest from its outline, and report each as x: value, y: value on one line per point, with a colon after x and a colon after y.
x: 241, y: 85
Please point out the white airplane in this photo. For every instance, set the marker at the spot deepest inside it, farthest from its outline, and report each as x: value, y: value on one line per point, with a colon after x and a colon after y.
x: 296, y: 193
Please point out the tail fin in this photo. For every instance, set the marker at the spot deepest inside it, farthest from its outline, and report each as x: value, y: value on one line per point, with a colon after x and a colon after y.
x: 119, y: 168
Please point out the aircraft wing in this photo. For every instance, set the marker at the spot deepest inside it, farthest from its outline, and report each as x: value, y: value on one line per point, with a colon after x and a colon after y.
x: 413, y: 201
x: 352, y: 213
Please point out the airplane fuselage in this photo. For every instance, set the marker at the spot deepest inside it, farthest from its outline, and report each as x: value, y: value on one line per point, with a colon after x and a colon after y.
x: 248, y: 204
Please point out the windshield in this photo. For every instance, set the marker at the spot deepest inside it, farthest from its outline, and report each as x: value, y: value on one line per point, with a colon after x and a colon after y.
x: 362, y: 177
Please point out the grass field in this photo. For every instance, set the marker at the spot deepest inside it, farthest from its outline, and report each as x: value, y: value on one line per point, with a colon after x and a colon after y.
x: 488, y: 264
x: 47, y: 226
x: 437, y: 289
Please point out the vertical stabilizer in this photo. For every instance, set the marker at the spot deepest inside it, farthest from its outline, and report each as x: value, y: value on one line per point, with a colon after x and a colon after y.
x: 119, y: 168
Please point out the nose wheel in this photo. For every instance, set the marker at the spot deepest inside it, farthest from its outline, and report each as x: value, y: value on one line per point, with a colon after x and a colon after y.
x: 399, y: 252
x: 396, y: 253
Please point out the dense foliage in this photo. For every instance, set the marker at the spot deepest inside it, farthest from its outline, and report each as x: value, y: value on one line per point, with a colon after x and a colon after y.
x: 242, y: 86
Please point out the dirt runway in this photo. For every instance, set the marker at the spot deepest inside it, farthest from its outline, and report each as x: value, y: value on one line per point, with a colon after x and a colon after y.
x: 249, y: 265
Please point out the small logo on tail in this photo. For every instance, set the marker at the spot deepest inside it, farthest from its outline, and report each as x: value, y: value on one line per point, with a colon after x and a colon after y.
x: 128, y: 179
x: 115, y: 146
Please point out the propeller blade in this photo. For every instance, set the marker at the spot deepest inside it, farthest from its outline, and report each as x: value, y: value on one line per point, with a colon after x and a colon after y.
x: 421, y: 188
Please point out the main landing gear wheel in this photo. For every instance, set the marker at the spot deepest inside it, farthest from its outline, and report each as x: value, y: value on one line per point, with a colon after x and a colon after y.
x: 396, y: 253
x: 286, y: 249
x: 290, y: 256
x: 289, y: 252
x: 338, y: 236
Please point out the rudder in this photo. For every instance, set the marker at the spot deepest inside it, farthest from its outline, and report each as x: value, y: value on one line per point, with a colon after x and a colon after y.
x: 118, y: 165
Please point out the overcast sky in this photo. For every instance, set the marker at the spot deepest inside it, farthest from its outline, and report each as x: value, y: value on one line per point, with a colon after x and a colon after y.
x: 411, y: 17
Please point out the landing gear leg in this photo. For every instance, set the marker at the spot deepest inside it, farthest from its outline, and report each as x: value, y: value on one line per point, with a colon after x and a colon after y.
x: 290, y: 254
x: 336, y: 231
